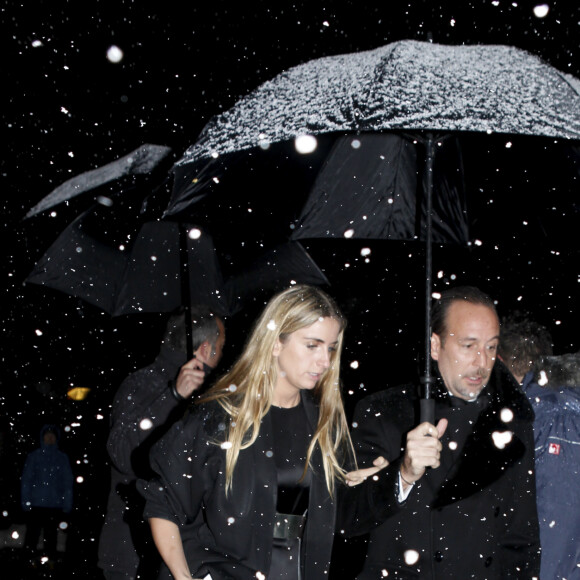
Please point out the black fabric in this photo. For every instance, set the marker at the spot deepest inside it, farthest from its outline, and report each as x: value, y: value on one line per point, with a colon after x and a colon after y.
x: 125, y: 544
x: 374, y: 190
x: 142, y: 276
x: 232, y: 535
x: 286, y: 559
x: 291, y: 440
x: 474, y: 516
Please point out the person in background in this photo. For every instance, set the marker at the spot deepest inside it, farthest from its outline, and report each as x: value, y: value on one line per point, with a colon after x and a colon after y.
x: 523, y: 342
x: 145, y: 406
x: 464, y: 486
x: 46, y: 492
x: 552, y: 385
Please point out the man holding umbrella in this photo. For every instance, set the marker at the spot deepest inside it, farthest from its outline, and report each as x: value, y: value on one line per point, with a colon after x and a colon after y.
x: 144, y: 407
x: 465, y: 486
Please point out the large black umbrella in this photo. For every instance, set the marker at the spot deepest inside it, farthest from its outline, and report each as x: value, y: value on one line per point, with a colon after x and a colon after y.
x: 423, y: 91
x: 120, y: 257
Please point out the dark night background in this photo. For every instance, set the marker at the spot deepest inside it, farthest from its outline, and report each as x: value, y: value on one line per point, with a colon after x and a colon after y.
x: 67, y: 109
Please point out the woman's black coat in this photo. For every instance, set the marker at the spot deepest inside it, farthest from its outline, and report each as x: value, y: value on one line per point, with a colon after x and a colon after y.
x: 231, y: 537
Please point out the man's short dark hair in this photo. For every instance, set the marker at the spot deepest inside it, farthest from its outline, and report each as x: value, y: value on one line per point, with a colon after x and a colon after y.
x: 204, y: 327
x: 441, y: 306
x: 523, y: 341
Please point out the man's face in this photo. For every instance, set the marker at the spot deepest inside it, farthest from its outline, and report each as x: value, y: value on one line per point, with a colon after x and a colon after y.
x: 466, y: 354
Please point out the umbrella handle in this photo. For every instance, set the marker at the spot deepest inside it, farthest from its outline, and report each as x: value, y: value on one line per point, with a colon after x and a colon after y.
x: 427, y: 411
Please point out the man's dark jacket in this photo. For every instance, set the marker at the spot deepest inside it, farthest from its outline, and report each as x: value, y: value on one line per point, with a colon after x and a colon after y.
x: 474, y: 516
x: 142, y: 411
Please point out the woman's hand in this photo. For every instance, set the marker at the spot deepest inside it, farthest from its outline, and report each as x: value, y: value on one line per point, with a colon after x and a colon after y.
x: 355, y: 477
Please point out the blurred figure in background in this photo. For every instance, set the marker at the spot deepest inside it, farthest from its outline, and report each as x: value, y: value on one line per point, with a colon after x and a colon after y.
x: 145, y: 406
x: 523, y: 342
x: 46, y: 491
x: 552, y: 385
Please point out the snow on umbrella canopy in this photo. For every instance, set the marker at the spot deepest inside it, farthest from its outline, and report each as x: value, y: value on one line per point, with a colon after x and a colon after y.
x: 407, y: 87
x: 141, y: 161
x: 403, y: 86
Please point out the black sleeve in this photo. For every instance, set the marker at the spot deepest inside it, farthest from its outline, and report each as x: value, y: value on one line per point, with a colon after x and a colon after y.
x: 365, y: 506
x: 187, y: 464
x: 140, y: 397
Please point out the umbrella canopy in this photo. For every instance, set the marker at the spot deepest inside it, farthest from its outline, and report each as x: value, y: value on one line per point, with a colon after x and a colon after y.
x: 136, y: 272
x: 369, y: 187
x: 422, y: 91
x: 119, y: 257
x: 403, y: 86
x: 142, y: 160
x: 141, y: 269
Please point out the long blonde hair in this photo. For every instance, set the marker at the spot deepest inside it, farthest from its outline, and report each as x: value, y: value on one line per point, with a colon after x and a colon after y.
x: 246, y: 391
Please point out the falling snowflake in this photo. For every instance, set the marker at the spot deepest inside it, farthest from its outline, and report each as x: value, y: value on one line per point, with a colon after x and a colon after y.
x: 506, y: 415
x: 305, y: 144
x: 501, y: 438
x: 114, y: 54
x: 145, y: 424
x: 543, y: 380
x: 541, y: 10
x: 411, y: 557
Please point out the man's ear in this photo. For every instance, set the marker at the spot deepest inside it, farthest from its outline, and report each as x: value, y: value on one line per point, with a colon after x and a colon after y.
x: 203, y: 353
x: 435, y: 346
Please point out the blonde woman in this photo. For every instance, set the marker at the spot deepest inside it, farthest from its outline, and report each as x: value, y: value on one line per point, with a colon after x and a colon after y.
x: 248, y: 481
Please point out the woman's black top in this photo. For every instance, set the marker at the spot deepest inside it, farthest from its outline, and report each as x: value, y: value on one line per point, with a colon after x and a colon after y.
x: 292, y: 437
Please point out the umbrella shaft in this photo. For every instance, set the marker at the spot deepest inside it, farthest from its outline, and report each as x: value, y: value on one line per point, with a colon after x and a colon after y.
x: 428, y: 260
